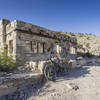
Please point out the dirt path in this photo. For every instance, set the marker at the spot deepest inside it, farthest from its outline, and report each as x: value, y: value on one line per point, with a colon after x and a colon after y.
x: 87, y: 79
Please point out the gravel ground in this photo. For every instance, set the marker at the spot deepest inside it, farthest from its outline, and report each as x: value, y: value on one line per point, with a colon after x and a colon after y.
x: 86, y: 78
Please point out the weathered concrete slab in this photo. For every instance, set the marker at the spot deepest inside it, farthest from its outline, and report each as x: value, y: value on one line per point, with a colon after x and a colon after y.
x: 14, y: 82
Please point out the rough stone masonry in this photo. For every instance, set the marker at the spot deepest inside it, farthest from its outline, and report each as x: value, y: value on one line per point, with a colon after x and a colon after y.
x: 32, y: 45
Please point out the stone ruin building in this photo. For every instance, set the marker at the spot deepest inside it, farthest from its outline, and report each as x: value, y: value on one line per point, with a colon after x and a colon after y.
x: 30, y: 44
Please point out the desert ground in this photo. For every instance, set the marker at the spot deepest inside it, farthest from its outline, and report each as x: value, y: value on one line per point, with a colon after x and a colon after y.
x: 77, y: 84
x: 86, y: 78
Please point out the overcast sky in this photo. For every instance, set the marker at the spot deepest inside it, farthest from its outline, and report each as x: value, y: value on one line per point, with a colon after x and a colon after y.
x: 60, y: 15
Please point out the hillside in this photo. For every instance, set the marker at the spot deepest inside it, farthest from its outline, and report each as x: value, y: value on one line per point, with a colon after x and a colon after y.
x: 91, y: 43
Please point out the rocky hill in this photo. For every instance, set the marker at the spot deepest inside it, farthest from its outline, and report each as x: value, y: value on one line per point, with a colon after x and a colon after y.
x: 89, y: 42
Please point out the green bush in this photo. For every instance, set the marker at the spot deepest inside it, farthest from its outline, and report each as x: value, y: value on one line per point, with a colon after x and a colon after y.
x: 81, y: 34
x: 72, y: 34
x: 87, y: 45
x: 7, y: 63
x: 79, y: 45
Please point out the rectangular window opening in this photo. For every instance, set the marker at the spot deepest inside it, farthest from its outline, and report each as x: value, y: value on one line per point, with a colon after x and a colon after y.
x: 37, y: 47
x: 11, y: 46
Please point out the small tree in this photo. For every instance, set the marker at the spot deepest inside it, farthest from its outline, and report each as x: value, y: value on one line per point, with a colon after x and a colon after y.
x: 7, y: 63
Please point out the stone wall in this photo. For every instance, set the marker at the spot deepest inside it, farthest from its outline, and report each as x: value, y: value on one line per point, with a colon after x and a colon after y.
x: 3, y: 24
x: 11, y: 43
x: 35, y: 49
x: 31, y: 44
x: 29, y: 28
x: 16, y: 82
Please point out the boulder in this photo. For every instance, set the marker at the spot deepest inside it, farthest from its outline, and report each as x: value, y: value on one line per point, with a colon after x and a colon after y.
x: 98, y: 61
x: 81, y: 61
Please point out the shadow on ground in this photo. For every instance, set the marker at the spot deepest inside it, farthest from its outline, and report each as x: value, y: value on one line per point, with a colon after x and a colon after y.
x: 74, y: 73
x: 33, y: 90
